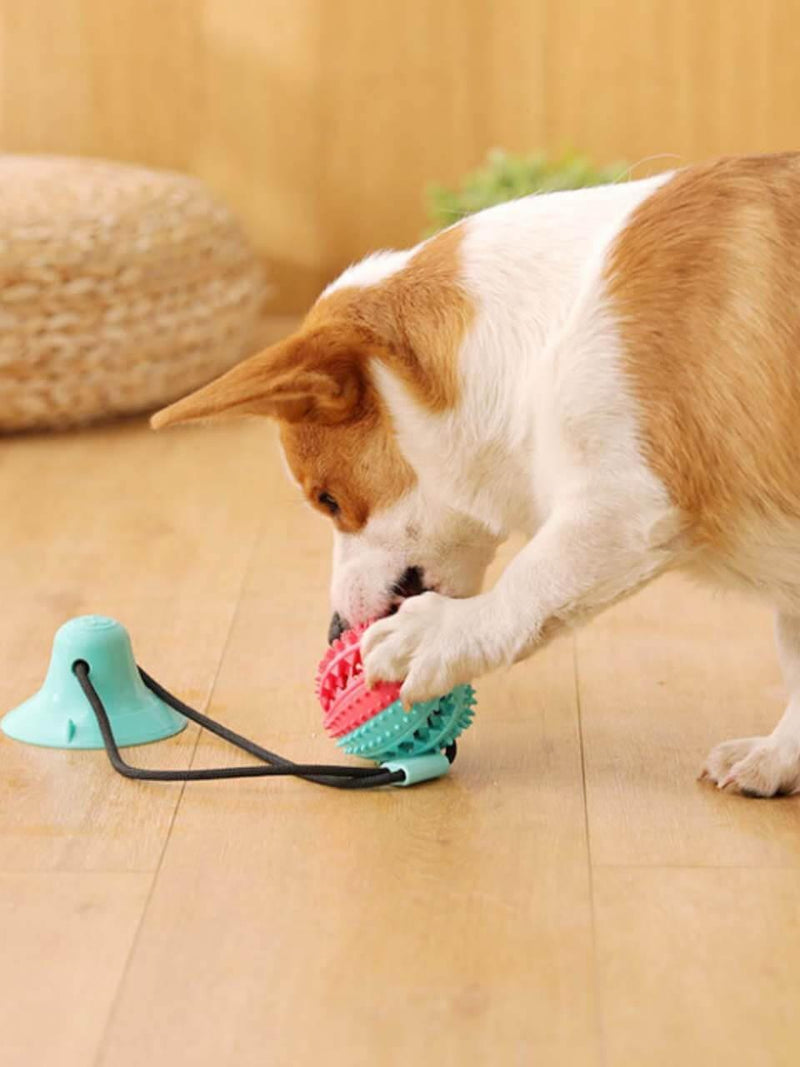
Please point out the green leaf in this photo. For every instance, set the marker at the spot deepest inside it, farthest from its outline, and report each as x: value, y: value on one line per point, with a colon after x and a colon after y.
x: 506, y: 176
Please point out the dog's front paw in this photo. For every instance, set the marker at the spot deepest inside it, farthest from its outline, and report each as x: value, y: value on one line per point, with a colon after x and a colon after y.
x: 432, y: 644
x: 756, y: 766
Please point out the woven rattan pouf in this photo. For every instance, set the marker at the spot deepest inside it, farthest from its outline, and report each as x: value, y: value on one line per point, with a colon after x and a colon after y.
x: 120, y: 289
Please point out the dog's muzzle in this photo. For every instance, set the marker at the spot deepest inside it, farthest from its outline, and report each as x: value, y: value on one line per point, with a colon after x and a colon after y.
x: 410, y: 583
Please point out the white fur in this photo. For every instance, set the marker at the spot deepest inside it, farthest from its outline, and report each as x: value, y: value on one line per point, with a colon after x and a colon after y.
x: 544, y: 440
x: 370, y: 271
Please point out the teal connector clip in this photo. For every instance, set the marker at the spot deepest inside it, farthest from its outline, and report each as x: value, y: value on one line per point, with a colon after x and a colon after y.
x: 419, y: 768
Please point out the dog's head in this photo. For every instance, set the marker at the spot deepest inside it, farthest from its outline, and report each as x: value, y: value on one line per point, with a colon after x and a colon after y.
x: 395, y: 535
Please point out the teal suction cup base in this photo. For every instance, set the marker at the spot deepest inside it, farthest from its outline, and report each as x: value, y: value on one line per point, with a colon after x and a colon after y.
x: 59, y: 715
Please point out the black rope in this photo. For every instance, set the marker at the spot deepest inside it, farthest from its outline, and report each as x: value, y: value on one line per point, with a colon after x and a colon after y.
x: 273, y: 765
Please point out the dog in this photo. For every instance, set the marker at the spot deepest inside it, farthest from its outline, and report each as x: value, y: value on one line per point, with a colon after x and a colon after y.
x: 614, y: 371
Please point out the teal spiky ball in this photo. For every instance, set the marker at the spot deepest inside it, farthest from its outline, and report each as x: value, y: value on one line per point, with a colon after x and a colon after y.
x: 371, y: 723
x: 428, y: 727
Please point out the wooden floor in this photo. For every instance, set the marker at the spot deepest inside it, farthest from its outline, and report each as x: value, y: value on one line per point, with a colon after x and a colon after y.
x: 571, y: 895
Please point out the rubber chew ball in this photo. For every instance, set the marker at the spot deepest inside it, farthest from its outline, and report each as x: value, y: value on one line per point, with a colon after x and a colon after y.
x: 371, y: 722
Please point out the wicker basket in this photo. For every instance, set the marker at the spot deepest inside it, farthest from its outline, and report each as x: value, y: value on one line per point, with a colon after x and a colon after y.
x: 120, y: 289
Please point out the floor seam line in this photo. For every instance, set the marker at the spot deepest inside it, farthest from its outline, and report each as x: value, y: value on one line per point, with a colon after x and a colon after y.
x: 589, y: 861
x: 101, y: 1046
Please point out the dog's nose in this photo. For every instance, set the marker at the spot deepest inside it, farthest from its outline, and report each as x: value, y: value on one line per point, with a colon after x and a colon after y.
x: 410, y: 583
x: 337, y: 627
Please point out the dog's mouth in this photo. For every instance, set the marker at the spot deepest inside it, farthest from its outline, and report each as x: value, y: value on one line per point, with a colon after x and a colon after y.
x: 410, y: 583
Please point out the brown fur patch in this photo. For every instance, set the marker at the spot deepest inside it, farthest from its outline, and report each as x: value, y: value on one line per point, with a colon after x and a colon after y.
x: 421, y: 314
x: 358, y: 464
x: 335, y: 429
x: 416, y: 320
x: 706, y: 281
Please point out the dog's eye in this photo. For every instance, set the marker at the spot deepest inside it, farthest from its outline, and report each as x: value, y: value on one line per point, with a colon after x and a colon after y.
x: 327, y: 501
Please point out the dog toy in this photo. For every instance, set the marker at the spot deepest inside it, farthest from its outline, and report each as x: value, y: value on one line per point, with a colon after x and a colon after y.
x: 371, y: 722
x: 95, y: 696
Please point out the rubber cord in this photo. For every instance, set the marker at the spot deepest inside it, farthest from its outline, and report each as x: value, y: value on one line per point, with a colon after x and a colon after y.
x: 272, y: 765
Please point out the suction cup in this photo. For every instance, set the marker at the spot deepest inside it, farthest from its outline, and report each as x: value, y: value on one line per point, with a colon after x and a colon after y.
x: 59, y: 715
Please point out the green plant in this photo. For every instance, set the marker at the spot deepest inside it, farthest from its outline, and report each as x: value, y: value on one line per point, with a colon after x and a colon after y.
x: 505, y: 176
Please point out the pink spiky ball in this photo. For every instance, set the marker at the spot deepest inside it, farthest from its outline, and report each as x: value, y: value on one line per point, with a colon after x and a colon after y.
x: 371, y: 722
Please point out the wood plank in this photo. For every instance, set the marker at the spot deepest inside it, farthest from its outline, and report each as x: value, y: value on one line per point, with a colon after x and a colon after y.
x: 699, y: 966
x: 322, y: 123
x: 259, y: 145
x: 46, y: 105
x: 145, y: 80
x: 635, y: 80
x: 449, y: 924
x: 400, y: 110
x: 155, y: 530
x: 66, y: 939
x: 662, y: 678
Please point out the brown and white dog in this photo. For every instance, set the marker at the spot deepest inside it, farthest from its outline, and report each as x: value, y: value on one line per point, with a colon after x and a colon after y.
x: 613, y: 371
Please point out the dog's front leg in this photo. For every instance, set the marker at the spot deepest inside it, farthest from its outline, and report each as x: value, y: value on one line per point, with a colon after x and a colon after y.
x: 581, y: 560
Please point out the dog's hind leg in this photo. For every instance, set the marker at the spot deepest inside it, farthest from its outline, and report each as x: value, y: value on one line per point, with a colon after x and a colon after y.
x: 766, y: 766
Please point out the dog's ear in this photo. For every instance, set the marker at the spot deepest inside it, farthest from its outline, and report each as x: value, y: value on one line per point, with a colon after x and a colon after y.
x: 317, y: 377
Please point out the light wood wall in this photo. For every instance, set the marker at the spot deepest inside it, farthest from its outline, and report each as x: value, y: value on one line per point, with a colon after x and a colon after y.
x: 321, y: 121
